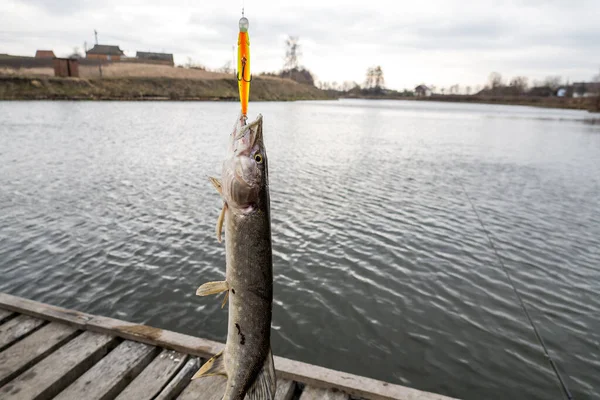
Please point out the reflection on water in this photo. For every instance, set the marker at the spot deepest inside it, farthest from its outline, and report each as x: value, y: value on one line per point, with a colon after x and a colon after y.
x: 381, y: 267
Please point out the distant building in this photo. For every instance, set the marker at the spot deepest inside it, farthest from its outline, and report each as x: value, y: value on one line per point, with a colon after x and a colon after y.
x: 105, y: 52
x: 156, y: 58
x: 586, y: 89
x: 66, y: 67
x: 422, y: 91
x: 44, y: 54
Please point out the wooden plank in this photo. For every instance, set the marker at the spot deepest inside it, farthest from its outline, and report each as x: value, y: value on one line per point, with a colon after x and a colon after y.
x: 157, y: 375
x: 205, y: 388
x: 5, y: 314
x: 180, y: 381
x: 55, y: 372
x: 34, y: 347
x: 16, y: 328
x: 354, y: 385
x: 111, y: 374
x: 285, y: 389
x: 312, y: 393
x: 127, y: 330
x: 310, y: 375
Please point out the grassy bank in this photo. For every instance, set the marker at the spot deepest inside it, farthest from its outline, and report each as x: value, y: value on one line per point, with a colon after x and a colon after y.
x: 150, y: 88
x: 590, y: 104
x: 126, y: 81
x: 536, y: 101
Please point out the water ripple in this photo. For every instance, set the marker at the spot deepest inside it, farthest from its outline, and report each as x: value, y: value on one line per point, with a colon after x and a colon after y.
x: 381, y: 266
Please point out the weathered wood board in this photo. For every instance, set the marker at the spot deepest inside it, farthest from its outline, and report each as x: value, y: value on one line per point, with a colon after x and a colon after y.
x: 4, y: 315
x: 311, y: 393
x: 16, y: 328
x: 132, y: 369
x: 180, y: 381
x: 206, y: 388
x: 18, y: 357
x: 111, y: 374
x: 55, y: 372
x: 154, y: 377
x: 285, y: 389
x: 127, y: 330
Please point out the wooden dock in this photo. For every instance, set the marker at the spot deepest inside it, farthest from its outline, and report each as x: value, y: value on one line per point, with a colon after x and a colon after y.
x: 50, y: 352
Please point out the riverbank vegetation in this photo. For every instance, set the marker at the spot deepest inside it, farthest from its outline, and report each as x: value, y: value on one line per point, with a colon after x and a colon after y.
x: 151, y: 88
x: 192, y: 81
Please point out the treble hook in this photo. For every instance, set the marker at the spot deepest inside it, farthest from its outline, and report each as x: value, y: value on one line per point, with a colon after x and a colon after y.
x: 243, y: 70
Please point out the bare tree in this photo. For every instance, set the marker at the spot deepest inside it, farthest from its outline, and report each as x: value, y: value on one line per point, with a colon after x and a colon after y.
x: 378, y: 77
x: 553, y: 82
x: 468, y: 90
x: 374, y: 78
x: 348, y: 86
x: 370, y: 78
x: 76, y: 53
x: 323, y: 85
x: 520, y: 83
x: 194, y: 65
x: 495, y: 80
x: 597, y: 80
x: 292, y: 53
x: 226, y: 68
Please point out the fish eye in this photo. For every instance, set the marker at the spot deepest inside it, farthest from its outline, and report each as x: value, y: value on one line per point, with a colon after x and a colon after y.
x: 258, y: 158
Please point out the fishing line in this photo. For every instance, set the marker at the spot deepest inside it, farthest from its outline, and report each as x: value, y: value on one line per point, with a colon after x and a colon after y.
x: 540, y: 340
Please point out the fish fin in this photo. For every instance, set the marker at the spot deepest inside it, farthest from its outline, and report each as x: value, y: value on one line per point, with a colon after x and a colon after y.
x: 217, y: 184
x: 220, y: 222
x: 265, y: 384
x: 212, y: 288
x: 225, y: 299
x: 214, y: 366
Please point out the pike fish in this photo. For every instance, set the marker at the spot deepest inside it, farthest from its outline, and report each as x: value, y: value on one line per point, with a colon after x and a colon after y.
x: 247, y: 360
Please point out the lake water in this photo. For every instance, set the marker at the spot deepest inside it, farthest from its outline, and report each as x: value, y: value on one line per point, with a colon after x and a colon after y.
x: 381, y: 266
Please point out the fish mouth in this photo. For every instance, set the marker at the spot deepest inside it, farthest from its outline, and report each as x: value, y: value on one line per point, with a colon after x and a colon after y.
x: 253, y: 131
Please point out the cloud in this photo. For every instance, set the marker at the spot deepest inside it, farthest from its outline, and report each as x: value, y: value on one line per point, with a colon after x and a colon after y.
x: 432, y: 41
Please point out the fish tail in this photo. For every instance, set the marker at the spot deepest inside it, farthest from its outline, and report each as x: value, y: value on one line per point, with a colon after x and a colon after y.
x: 265, y: 384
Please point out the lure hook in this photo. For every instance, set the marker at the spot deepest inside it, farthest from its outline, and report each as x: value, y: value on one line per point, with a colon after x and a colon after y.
x: 242, y: 79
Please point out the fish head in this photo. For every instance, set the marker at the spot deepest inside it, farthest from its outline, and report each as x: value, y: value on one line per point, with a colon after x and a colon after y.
x: 245, y: 176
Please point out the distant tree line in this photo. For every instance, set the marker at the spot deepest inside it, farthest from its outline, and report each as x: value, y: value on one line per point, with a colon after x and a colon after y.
x: 374, y: 84
x: 496, y: 85
x: 519, y: 85
x: 291, y: 64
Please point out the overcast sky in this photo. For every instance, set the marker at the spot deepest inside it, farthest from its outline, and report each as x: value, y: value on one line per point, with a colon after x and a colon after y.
x: 418, y: 41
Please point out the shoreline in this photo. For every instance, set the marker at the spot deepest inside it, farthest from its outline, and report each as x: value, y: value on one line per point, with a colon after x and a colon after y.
x: 36, y: 88
x: 591, y: 104
x: 151, y: 89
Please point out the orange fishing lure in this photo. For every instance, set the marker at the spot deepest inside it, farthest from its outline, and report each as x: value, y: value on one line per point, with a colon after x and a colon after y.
x: 243, y: 67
